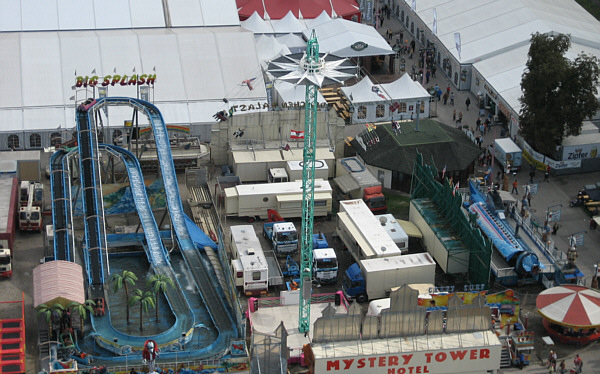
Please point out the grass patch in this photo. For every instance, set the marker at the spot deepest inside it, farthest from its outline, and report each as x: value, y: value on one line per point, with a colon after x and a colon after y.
x: 398, y: 206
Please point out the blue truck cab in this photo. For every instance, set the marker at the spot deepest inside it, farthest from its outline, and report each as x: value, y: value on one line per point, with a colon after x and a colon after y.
x: 353, y: 284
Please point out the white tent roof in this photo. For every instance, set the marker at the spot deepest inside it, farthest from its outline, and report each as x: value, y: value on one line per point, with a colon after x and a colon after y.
x: 338, y: 36
x: 268, y: 48
x: 257, y: 25
x: 291, y: 93
x: 362, y: 92
x: 288, y: 24
x: 404, y: 88
x: 401, y: 89
x: 38, y: 90
x: 294, y: 42
x: 54, y: 15
x: 322, y: 18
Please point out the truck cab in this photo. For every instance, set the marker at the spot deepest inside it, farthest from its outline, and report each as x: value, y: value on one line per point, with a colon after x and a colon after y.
x: 375, y: 199
x: 325, y: 265
x: 5, y: 263
x: 30, y: 211
x: 283, y: 236
x: 278, y: 175
x: 353, y: 284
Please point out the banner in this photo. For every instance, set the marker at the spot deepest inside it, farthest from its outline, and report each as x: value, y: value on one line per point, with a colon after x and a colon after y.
x: 434, y: 21
x: 457, y: 42
x: 295, y: 134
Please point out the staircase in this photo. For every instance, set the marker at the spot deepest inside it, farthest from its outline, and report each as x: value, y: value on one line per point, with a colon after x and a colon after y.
x: 505, y: 358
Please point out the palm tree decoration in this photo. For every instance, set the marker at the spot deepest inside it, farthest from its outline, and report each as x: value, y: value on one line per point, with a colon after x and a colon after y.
x: 83, y: 310
x: 121, y: 280
x: 47, y: 312
x: 159, y: 284
x: 146, y: 300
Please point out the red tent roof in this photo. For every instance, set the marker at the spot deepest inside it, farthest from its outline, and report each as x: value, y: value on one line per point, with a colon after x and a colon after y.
x: 570, y: 305
x: 306, y: 9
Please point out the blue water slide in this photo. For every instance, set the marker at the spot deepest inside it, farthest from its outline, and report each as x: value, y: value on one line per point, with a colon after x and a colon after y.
x: 93, y: 209
x: 213, y: 300
x: 61, y: 205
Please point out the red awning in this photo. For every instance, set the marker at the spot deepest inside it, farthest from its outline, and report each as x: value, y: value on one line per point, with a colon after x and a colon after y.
x: 576, y: 306
x: 58, y: 282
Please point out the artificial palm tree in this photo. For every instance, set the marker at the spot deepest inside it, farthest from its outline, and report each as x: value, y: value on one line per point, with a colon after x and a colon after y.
x: 146, y: 300
x: 47, y: 312
x: 121, y: 280
x: 159, y: 284
x: 83, y: 310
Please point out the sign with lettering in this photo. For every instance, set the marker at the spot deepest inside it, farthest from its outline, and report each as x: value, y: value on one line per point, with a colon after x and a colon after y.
x: 580, y: 152
x: 112, y: 80
x: 359, y: 46
x: 443, y: 361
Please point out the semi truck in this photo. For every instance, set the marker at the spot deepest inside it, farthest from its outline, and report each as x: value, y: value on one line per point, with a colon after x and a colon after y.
x: 361, y: 233
x: 508, y: 154
x: 249, y: 265
x: 325, y: 265
x: 254, y: 200
x: 355, y: 181
x: 374, y: 278
x: 282, y: 236
x: 30, y: 211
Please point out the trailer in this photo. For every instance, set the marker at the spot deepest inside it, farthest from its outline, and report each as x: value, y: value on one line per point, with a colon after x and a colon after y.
x: 8, y: 223
x: 249, y: 265
x: 294, y: 170
x: 361, y: 233
x: 508, y: 154
x: 374, y: 278
x: 394, y: 230
x: 275, y: 273
x: 355, y: 181
x: 254, y: 200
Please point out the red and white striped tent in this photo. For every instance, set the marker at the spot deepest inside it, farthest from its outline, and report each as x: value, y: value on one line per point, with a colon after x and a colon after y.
x: 571, y: 305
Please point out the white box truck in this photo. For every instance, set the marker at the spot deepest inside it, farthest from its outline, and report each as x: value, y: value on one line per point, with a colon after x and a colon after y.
x: 375, y: 278
x: 294, y: 170
x: 254, y: 200
x: 506, y: 152
x: 394, y: 230
x: 362, y: 233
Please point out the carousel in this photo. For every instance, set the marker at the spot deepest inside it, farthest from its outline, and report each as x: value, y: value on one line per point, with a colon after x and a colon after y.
x: 571, y: 314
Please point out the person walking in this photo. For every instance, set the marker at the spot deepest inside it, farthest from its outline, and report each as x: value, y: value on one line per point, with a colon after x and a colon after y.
x: 555, y: 228
x: 467, y: 103
x: 515, y: 188
x: 452, y: 98
x: 529, y: 199
x: 562, y: 368
x: 547, y: 173
x: 578, y: 363
x: 445, y: 97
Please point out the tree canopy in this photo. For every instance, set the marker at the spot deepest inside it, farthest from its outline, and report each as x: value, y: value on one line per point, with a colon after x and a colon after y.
x: 558, y: 94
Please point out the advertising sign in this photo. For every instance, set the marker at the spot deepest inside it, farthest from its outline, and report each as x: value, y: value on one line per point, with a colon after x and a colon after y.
x: 443, y: 361
x: 580, y: 152
x: 368, y: 15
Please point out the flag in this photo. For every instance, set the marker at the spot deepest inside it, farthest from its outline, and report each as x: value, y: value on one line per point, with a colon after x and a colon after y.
x: 414, y: 5
x: 457, y: 42
x: 287, y: 147
x: 434, y: 21
x: 394, y: 107
x: 295, y: 134
x: 443, y: 171
x: 455, y: 188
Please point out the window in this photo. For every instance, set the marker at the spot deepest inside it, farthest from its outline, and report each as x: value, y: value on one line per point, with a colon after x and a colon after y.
x: 35, y: 141
x: 13, y: 141
x: 412, y: 28
x: 256, y: 275
x: 380, y: 111
x: 402, y: 14
x: 55, y: 139
x: 402, y: 108
x: 362, y: 112
x: 422, y: 109
x: 117, y: 134
x: 456, y: 79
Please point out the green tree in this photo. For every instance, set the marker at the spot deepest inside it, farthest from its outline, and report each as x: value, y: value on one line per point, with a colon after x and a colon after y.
x: 558, y: 94
x: 159, y: 284
x: 83, y: 310
x: 121, y: 280
x: 146, y: 300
